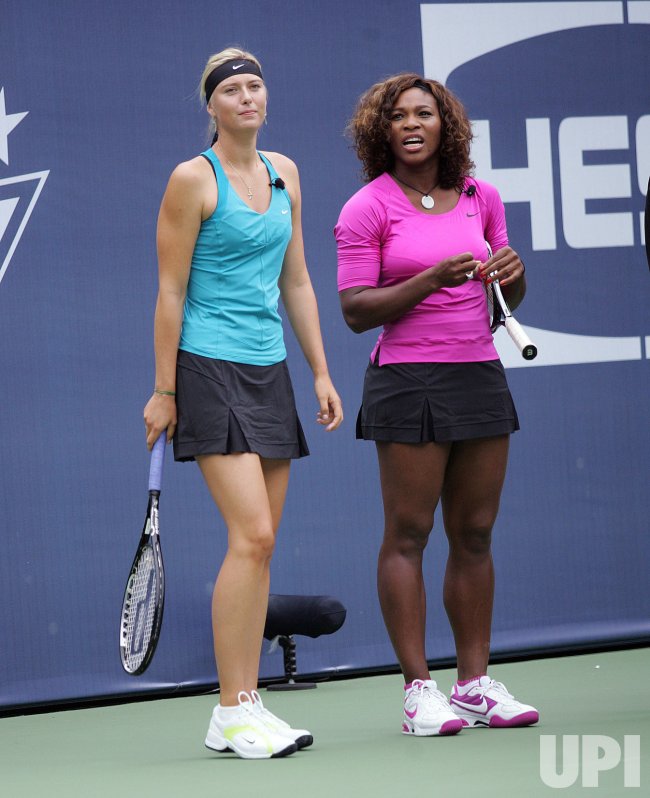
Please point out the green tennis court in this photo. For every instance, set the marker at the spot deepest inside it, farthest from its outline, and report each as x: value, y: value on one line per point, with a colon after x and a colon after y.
x: 155, y: 748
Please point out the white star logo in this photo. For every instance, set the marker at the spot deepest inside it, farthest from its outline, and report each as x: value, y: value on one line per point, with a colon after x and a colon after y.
x: 7, y: 123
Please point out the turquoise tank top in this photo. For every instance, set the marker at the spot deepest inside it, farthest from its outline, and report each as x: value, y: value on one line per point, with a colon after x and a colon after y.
x: 231, y: 307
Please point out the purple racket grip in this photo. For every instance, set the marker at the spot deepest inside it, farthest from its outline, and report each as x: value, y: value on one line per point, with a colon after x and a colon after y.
x: 157, y: 460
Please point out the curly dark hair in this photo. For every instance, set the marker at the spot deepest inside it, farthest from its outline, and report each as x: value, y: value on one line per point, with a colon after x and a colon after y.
x: 370, y: 124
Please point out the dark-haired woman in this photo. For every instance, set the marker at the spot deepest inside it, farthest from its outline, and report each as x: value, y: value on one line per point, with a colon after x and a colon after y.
x: 229, y: 244
x: 413, y: 256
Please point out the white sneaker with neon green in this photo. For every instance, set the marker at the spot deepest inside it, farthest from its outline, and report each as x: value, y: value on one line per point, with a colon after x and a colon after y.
x: 242, y: 730
x: 301, y: 737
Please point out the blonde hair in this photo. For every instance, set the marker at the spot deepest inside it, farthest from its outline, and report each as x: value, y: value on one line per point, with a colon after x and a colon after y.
x: 216, y: 60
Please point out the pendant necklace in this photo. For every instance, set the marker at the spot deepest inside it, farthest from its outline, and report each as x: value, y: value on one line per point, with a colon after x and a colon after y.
x: 236, y: 171
x: 427, y: 200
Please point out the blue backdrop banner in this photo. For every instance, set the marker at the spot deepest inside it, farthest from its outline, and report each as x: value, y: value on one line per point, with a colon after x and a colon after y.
x: 98, y: 103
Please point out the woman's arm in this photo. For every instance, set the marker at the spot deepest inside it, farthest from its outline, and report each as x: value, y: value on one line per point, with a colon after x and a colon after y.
x: 300, y: 303
x: 360, y: 232
x: 179, y: 221
x: 505, y: 261
x: 366, y: 307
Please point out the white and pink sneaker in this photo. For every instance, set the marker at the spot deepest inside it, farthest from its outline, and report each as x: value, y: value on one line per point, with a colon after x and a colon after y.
x: 484, y: 702
x: 427, y: 712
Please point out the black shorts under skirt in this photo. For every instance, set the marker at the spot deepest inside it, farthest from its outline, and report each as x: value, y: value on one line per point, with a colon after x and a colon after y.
x: 225, y: 407
x: 420, y: 402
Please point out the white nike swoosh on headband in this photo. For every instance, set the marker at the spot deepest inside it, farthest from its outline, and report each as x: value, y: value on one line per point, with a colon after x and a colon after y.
x: 239, y: 66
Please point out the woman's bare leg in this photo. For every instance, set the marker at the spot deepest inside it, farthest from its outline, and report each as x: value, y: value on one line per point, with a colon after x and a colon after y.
x: 248, y: 495
x: 411, y: 481
x: 470, y: 502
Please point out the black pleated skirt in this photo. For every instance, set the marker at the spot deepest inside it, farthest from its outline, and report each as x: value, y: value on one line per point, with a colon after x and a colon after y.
x: 225, y: 407
x: 420, y: 402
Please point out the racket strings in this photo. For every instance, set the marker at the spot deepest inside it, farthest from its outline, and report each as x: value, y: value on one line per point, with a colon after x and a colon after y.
x: 140, y: 609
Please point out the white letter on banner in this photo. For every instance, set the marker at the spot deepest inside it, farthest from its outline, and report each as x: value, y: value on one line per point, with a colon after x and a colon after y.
x: 643, y: 160
x: 532, y: 183
x: 584, y: 230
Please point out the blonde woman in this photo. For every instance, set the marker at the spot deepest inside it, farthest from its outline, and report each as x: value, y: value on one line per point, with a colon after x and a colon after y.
x: 229, y: 246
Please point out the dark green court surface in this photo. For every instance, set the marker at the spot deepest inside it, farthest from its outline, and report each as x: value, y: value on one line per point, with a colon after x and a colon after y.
x: 155, y: 748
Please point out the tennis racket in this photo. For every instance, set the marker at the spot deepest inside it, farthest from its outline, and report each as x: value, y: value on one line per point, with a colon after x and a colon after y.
x: 144, y: 596
x: 501, y: 316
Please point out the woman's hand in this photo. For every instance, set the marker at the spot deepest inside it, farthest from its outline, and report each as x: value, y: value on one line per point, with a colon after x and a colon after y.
x: 159, y: 415
x: 456, y: 270
x: 330, y: 414
x: 505, y: 266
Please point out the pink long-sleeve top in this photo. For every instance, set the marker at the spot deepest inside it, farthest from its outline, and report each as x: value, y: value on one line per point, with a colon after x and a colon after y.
x: 383, y: 240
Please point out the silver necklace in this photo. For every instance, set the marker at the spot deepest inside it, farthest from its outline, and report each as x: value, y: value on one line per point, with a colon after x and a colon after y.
x: 238, y: 173
x: 427, y: 200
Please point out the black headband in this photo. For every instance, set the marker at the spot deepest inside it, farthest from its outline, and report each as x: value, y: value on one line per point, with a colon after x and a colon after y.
x: 239, y: 66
